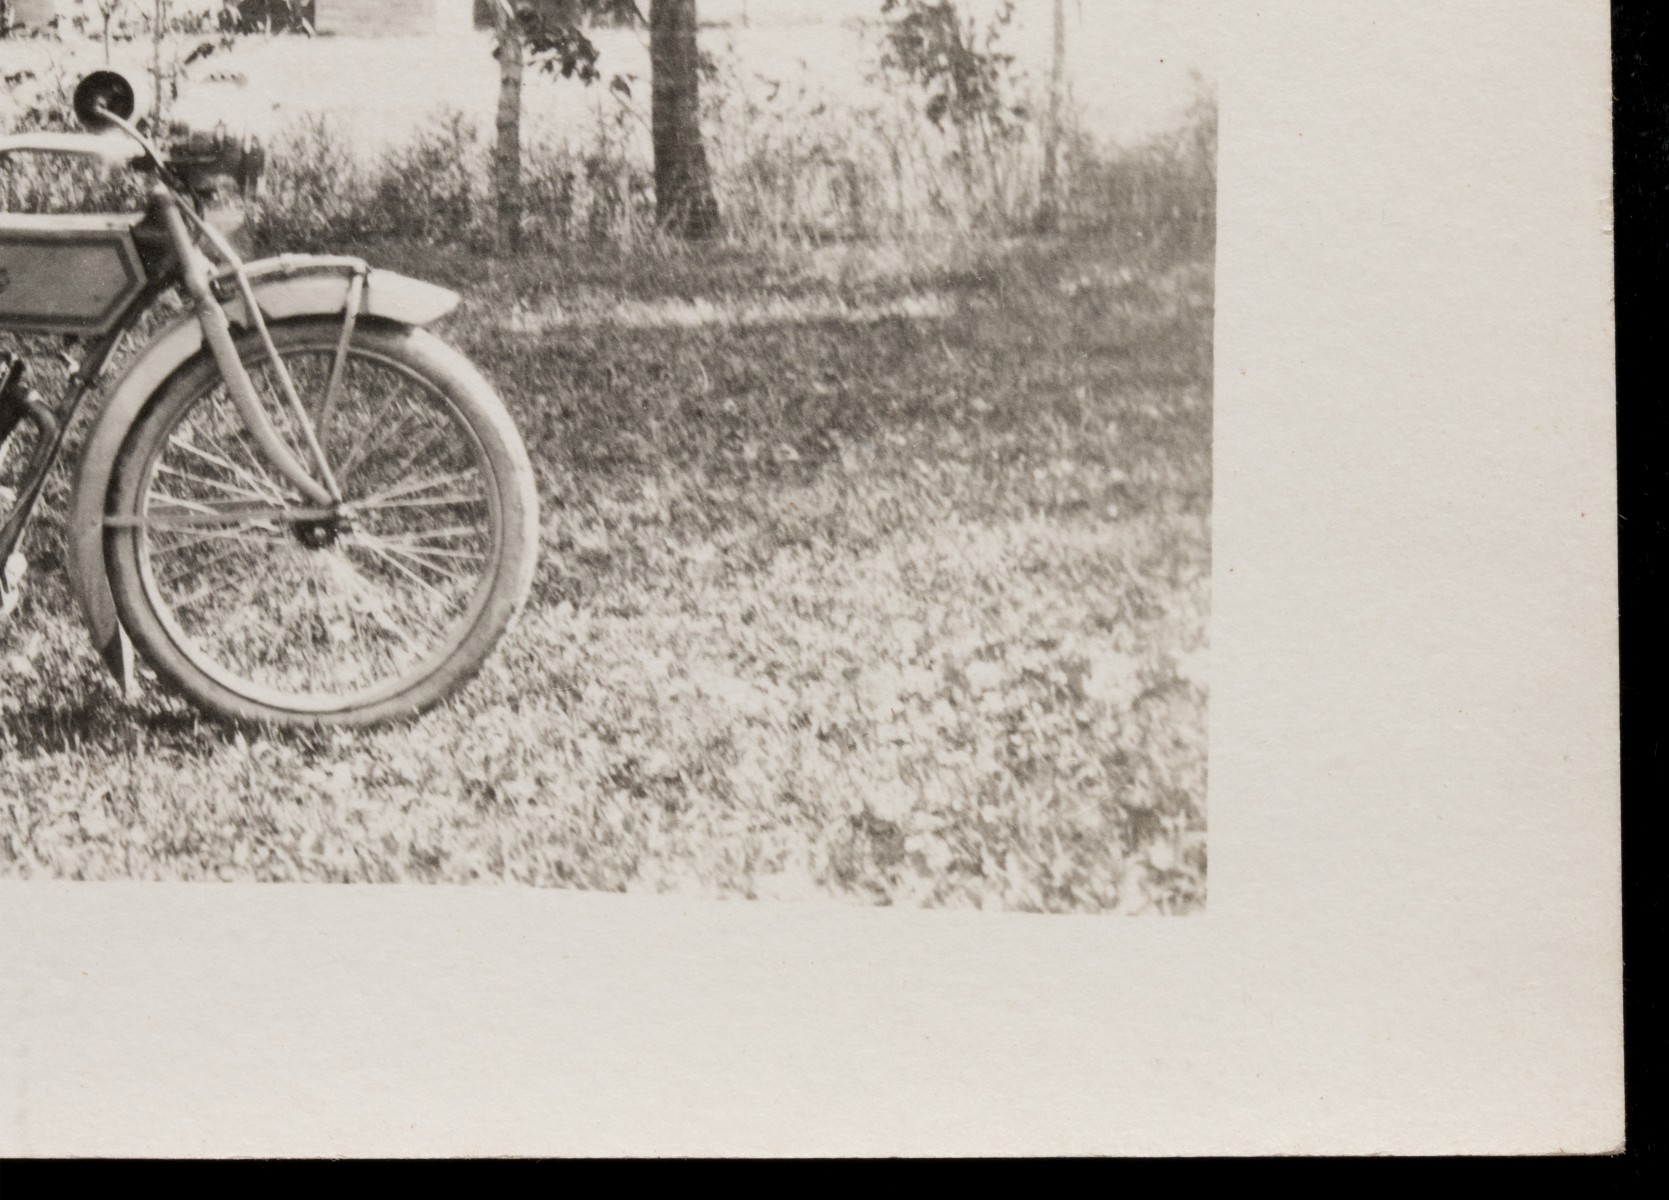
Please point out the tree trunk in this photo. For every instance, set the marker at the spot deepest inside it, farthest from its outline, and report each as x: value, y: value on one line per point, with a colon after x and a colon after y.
x: 507, y: 149
x: 684, y: 202
x: 1048, y: 217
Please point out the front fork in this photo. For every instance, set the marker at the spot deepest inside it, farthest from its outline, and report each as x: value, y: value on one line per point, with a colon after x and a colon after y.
x: 198, y: 279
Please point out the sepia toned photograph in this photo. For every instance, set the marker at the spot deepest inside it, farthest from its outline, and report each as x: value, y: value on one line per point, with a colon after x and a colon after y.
x: 735, y: 449
x: 724, y: 543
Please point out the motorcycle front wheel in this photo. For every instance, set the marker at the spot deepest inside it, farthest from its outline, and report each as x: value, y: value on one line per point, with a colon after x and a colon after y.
x: 258, y: 606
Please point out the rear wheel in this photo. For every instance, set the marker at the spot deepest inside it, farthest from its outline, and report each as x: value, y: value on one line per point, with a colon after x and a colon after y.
x: 258, y: 605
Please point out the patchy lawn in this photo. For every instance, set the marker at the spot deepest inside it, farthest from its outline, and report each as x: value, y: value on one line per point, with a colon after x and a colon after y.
x: 866, y: 574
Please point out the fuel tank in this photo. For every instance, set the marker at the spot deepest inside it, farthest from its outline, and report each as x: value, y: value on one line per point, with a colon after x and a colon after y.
x: 67, y: 273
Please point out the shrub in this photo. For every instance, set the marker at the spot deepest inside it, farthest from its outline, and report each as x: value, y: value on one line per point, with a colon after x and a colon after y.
x: 314, y: 189
x: 434, y: 187
x: 1164, y: 192
x: 912, y: 155
x: 603, y: 191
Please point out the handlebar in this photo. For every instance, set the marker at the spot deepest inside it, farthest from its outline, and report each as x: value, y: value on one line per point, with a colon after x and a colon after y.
x: 86, y: 145
x: 189, y: 164
x: 104, y: 103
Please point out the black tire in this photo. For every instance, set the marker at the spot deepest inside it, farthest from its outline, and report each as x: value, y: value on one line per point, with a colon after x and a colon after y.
x: 233, y: 679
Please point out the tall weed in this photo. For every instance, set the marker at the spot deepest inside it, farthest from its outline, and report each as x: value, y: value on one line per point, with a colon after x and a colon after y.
x: 314, y: 189
x: 434, y: 186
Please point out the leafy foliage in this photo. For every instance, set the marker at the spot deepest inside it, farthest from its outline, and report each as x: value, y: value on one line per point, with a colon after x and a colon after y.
x: 554, y: 37
x: 431, y: 186
x: 266, y: 16
x: 960, y: 65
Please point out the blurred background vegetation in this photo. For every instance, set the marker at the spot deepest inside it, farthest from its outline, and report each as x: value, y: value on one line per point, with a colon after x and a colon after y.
x: 932, y: 128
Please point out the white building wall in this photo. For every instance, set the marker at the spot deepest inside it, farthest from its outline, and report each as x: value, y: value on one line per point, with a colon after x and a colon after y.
x: 33, y: 13
x: 393, y: 18
x: 37, y: 13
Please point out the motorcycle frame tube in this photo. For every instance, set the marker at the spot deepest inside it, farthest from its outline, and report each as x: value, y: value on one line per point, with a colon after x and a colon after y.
x: 114, y: 650
x: 70, y: 400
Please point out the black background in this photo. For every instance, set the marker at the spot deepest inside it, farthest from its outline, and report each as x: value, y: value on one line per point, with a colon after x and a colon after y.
x: 1641, y: 115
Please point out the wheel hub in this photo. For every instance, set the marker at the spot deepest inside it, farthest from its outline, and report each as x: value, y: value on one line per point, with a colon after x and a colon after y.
x: 321, y: 534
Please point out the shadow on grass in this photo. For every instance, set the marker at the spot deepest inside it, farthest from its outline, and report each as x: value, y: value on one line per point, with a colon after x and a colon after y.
x: 102, y: 722
x: 105, y: 724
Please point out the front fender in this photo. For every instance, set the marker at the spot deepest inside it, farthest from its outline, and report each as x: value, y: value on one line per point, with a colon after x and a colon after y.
x: 299, y: 285
x: 285, y: 288
x: 166, y: 353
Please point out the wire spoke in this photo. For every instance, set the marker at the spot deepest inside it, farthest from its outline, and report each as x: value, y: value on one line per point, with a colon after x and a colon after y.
x: 222, y: 485
x: 437, y: 502
x: 204, y: 592
x: 384, y: 498
x: 432, y: 552
x: 200, y: 537
x: 202, y: 567
x: 419, y: 557
x: 382, y: 553
x: 310, y: 603
x: 262, y: 488
x: 373, y: 606
x: 415, y: 456
x: 362, y: 448
x: 423, y: 535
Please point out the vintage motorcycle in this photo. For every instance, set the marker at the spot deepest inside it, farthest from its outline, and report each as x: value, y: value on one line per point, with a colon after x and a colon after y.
x: 297, y: 505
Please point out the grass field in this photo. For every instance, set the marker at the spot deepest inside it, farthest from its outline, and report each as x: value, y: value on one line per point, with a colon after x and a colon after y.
x: 867, y: 574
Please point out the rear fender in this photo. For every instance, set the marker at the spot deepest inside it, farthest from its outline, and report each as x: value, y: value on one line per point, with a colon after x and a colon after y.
x: 285, y: 289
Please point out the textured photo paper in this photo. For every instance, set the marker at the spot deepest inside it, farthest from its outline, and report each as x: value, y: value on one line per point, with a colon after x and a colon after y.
x: 1411, y: 942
